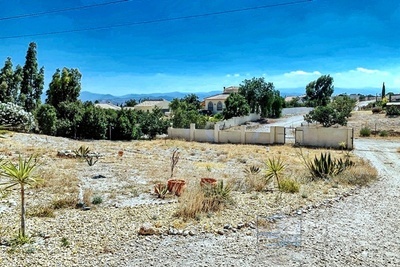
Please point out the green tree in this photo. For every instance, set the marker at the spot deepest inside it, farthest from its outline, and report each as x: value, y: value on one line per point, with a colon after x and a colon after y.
x: 185, y: 111
x: 69, y: 116
x: 260, y: 95
x: 20, y: 174
x: 46, y: 116
x: 131, y: 103
x: 383, y: 90
x: 64, y: 87
x: 325, y: 115
x: 343, y: 104
x: 193, y: 101
x: 9, y: 82
x: 93, y: 123
x: 319, y: 92
x: 32, y: 81
x: 236, y: 106
x: 336, y: 112
x: 153, y: 123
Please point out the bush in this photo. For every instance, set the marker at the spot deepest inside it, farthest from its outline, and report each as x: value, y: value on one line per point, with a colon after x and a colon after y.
x: 361, y: 174
x: 15, y: 116
x: 383, y: 133
x: 392, y: 111
x: 289, y: 186
x: 376, y: 110
x: 365, y: 131
x: 46, y: 117
x: 204, y: 199
x: 97, y: 200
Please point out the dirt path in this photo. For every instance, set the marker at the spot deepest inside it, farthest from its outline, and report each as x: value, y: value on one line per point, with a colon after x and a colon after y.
x: 360, y: 230
x: 363, y: 229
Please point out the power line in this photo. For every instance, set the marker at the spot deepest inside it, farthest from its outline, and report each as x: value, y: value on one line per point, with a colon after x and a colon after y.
x: 61, y: 10
x: 156, y: 20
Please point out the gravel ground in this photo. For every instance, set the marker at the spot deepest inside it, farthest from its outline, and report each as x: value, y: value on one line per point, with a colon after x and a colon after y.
x: 358, y: 229
x: 361, y: 229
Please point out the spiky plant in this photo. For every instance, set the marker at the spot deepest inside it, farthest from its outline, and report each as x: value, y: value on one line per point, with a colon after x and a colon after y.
x: 275, y: 168
x: 20, y: 174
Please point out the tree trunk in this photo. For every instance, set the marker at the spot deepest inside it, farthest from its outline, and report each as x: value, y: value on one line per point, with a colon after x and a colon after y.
x: 22, y: 230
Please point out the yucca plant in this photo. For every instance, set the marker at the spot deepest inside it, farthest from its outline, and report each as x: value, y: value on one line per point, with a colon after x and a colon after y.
x: 275, y: 168
x: 20, y: 174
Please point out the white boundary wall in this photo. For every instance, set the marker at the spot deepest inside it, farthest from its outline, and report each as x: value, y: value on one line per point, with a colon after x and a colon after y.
x: 324, y: 137
x: 275, y: 136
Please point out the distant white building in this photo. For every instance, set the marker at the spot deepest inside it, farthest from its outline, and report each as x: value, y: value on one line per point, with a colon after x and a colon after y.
x: 216, y: 103
x: 149, y: 105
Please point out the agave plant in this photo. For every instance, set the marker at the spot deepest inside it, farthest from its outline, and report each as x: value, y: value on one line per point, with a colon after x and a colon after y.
x: 20, y: 174
x: 325, y: 166
x: 82, y: 152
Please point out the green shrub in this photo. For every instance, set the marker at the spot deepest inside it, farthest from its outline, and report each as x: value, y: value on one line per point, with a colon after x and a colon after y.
x: 97, y: 200
x: 392, y: 111
x: 383, y: 133
x: 289, y: 186
x: 365, y: 131
x: 16, y: 117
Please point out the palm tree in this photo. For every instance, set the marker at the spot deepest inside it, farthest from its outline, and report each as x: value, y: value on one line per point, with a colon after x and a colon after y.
x: 20, y: 174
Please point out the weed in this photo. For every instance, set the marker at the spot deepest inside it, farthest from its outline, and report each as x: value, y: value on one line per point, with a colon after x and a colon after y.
x: 20, y: 239
x: 365, y: 131
x: 65, y: 243
x: 383, y: 133
x: 289, y: 186
x: 97, y: 200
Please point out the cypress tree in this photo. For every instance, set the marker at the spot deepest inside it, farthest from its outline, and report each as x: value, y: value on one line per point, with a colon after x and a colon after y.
x: 32, y: 81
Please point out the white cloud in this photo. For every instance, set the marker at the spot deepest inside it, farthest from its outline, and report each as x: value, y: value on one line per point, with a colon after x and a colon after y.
x: 368, y: 71
x: 236, y: 75
x: 302, y: 73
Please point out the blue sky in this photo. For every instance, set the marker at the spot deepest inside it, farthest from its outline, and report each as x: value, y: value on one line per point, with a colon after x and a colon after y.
x: 357, y: 42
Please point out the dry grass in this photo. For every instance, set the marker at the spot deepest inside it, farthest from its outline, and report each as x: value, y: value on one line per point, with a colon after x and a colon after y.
x: 67, y: 201
x: 361, y: 174
x: 41, y: 211
x: 197, y: 200
x: 87, y: 196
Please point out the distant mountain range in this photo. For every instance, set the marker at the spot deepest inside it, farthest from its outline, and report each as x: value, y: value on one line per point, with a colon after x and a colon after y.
x: 89, y: 96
